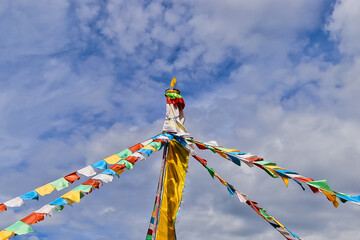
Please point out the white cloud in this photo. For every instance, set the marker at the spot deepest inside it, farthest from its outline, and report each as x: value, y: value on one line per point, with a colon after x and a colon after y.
x: 259, y: 28
x: 342, y: 26
x: 96, y: 87
x: 42, y: 25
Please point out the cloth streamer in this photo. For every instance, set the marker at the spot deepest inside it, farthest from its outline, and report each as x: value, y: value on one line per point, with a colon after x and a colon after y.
x: 174, y: 182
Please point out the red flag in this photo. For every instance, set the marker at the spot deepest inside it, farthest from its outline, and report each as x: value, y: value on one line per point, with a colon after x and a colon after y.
x: 72, y: 177
x: 2, y: 207
x: 33, y: 218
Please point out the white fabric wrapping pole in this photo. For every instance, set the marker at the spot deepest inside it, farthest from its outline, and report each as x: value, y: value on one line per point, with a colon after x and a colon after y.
x: 175, y: 117
x: 174, y: 120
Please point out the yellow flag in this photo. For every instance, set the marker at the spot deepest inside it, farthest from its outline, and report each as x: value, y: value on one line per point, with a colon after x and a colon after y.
x: 112, y: 159
x: 46, y: 189
x: 330, y: 196
x: 119, y: 171
x: 72, y: 196
x: 231, y: 150
x: 282, y: 226
x: 222, y: 154
x: 275, y: 167
x: 6, y: 234
x: 150, y: 148
x: 220, y: 179
x: 286, y: 181
x: 176, y: 167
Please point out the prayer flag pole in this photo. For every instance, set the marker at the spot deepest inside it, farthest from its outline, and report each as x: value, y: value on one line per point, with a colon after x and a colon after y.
x: 173, y: 124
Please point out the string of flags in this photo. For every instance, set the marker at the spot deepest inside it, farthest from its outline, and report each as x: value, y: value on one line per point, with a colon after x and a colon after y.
x: 125, y: 160
x: 244, y: 199
x: 87, y: 171
x: 238, y: 157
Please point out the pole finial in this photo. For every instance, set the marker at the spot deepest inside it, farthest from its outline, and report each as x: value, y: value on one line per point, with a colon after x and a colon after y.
x: 173, y: 83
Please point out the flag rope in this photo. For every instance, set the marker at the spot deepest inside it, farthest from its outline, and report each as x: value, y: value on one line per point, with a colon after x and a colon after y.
x: 23, y: 226
x: 284, y: 231
x: 236, y: 156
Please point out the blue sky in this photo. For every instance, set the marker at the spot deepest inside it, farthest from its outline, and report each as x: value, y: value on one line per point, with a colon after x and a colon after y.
x: 81, y: 80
